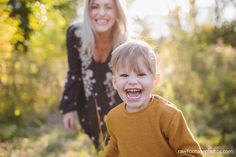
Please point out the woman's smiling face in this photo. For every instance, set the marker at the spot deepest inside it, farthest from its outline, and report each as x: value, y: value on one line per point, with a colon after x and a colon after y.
x: 103, y: 15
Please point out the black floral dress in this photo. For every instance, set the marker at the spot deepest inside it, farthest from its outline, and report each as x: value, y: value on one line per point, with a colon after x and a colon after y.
x: 88, y: 88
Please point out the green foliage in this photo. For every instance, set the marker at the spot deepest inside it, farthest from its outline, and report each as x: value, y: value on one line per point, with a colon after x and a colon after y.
x: 202, y: 75
x: 209, y: 34
x: 33, y: 62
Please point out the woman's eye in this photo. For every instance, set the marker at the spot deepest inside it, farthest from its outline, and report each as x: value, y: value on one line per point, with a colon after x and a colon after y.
x: 123, y: 75
x: 94, y: 7
x: 109, y: 7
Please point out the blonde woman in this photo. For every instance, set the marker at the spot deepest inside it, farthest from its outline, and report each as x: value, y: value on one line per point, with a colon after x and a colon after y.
x: 88, y: 88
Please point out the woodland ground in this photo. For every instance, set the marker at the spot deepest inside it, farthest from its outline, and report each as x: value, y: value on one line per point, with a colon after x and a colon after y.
x: 48, y: 140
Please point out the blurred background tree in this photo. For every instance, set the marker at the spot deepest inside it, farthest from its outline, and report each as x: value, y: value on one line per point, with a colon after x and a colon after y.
x: 198, y: 63
x: 32, y: 60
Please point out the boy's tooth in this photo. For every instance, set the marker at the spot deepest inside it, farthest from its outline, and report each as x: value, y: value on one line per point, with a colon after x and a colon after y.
x: 133, y: 96
x: 133, y: 90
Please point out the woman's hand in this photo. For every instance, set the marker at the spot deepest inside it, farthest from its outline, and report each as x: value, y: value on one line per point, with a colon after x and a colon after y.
x: 69, y: 120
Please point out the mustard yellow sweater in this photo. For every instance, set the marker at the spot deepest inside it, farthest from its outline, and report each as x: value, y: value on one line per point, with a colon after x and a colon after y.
x: 158, y: 130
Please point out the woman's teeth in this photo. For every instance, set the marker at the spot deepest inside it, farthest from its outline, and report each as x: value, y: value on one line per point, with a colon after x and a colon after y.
x: 101, y: 22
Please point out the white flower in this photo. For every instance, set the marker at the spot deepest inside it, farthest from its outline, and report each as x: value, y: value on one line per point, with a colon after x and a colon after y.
x: 110, y: 91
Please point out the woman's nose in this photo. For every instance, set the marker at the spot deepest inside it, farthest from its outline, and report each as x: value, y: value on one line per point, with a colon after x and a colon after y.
x: 102, y: 11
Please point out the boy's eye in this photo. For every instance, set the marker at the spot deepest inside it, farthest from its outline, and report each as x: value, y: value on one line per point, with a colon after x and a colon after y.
x: 123, y: 75
x: 141, y: 74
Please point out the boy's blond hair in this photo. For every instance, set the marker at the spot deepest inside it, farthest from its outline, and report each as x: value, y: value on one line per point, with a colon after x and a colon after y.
x: 127, y: 55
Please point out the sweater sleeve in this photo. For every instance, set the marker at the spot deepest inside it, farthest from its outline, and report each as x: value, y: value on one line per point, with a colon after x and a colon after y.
x: 73, y: 95
x: 111, y: 149
x: 181, y: 138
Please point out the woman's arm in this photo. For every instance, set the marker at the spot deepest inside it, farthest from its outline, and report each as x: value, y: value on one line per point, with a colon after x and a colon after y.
x: 73, y: 95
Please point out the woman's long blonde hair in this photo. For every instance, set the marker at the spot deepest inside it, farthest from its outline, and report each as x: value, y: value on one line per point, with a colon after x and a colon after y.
x: 120, y: 28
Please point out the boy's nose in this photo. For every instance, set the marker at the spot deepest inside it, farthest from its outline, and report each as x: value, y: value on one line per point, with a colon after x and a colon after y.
x: 132, y: 82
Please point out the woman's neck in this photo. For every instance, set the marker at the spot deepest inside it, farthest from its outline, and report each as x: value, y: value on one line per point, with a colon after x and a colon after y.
x: 103, y: 47
x: 103, y: 38
x: 104, y: 41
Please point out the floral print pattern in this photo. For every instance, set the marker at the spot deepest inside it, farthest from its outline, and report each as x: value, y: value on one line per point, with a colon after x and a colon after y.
x: 88, y: 89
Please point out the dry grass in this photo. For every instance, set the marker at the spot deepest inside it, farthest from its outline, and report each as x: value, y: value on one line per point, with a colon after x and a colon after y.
x: 49, y: 140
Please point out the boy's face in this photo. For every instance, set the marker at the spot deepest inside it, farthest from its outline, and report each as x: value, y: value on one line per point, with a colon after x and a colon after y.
x: 135, y: 88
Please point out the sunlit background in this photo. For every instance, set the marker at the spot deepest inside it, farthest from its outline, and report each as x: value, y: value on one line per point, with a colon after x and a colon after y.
x: 157, y: 13
x: 196, y: 45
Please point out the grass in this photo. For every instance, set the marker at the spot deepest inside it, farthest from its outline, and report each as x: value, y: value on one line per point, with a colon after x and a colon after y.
x: 49, y: 140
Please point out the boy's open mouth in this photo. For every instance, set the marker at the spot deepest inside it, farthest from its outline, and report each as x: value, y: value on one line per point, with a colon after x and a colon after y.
x: 133, y: 93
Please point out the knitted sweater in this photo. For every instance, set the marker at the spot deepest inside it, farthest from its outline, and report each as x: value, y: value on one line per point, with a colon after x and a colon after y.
x: 158, y: 130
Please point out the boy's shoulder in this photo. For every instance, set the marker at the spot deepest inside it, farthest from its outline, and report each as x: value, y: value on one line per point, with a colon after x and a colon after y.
x: 165, y: 112
x: 164, y: 104
x: 116, y: 110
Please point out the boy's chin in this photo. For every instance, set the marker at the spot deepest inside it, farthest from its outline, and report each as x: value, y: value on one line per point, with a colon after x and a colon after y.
x: 136, y: 104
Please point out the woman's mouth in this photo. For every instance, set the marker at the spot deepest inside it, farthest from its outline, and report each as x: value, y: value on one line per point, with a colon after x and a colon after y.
x: 101, y: 21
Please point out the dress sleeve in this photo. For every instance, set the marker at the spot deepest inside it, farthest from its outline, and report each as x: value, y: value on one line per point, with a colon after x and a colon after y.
x: 73, y: 95
x: 181, y: 138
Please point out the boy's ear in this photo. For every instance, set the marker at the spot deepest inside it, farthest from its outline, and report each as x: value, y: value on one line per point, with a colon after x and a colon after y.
x: 114, y: 82
x: 156, y: 79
